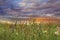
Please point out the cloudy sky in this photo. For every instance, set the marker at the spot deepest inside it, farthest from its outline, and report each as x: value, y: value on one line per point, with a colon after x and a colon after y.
x: 30, y: 7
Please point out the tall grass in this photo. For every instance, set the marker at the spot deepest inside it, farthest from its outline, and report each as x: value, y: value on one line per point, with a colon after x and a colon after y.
x: 29, y: 32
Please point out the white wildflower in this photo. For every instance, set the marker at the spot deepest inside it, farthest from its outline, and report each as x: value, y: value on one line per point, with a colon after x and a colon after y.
x: 57, y: 33
x: 16, y: 33
x: 45, y: 31
x: 27, y: 23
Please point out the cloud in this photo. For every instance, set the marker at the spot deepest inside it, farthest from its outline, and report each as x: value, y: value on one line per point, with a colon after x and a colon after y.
x: 31, y: 0
x: 53, y: 1
x: 22, y: 4
x: 36, y: 7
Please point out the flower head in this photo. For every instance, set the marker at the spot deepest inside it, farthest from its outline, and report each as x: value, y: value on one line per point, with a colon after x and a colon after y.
x: 57, y: 32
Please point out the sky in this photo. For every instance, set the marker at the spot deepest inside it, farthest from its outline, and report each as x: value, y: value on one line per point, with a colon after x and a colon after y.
x: 30, y: 7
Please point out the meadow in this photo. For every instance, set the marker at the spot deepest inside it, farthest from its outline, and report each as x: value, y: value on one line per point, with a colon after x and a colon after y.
x: 33, y: 31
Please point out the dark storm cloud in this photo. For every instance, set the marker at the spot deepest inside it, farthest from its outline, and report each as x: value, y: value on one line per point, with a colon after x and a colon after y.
x: 49, y: 8
x: 7, y: 7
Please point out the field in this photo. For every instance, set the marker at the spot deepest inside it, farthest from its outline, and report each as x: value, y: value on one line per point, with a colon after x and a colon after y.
x: 33, y: 31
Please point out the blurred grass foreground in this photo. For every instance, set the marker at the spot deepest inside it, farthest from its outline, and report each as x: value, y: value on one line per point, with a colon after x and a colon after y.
x: 33, y: 31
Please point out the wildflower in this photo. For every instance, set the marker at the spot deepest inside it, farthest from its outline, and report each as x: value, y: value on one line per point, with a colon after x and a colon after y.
x: 45, y: 31
x: 57, y: 33
x: 16, y: 33
x: 27, y: 23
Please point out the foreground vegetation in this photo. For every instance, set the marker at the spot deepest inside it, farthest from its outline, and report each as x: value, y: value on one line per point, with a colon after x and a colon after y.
x: 29, y: 32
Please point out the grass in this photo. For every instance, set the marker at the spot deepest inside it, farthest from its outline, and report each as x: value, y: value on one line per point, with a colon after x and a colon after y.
x: 29, y: 32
